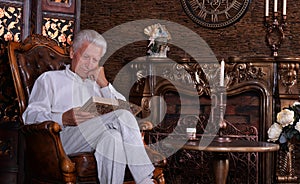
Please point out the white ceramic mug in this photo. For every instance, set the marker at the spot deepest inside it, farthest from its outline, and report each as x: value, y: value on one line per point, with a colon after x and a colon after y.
x: 191, y: 133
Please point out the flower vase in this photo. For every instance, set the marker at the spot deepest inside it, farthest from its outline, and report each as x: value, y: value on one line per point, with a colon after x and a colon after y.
x: 286, y: 165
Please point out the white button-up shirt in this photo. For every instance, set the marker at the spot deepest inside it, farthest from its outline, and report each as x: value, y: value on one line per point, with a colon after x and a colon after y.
x: 55, y: 92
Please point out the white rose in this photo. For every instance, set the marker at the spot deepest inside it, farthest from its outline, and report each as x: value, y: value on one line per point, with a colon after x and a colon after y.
x: 285, y: 117
x: 297, y: 127
x: 296, y: 104
x: 274, y: 132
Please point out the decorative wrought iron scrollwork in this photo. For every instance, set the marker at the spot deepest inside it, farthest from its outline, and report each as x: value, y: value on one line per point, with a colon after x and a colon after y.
x: 192, y: 166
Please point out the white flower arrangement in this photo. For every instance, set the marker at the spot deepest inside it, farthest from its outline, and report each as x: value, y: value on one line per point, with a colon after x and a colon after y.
x: 287, y: 125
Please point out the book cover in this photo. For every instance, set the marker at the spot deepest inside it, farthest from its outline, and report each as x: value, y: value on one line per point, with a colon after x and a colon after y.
x: 102, y: 105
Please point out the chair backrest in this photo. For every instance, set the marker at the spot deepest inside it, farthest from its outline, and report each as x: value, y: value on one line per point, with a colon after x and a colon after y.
x: 29, y: 59
x: 44, y: 157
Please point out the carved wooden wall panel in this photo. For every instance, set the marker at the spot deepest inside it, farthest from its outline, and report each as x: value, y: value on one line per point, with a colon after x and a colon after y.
x: 287, y: 93
x: 288, y: 81
x: 60, y: 30
x: 14, y: 26
x: 58, y: 20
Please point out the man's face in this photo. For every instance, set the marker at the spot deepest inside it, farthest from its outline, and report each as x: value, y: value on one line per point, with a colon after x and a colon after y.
x: 85, y: 59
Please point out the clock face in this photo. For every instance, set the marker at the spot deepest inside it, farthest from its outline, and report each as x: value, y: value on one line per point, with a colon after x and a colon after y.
x: 215, y: 13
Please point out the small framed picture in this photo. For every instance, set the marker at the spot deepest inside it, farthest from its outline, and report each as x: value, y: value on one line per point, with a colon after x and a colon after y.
x: 64, y: 6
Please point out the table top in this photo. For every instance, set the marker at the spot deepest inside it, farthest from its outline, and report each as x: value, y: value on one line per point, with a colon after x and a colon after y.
x: 232, y: 146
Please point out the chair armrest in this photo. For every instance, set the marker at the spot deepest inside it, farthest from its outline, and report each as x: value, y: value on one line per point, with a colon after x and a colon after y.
x: 46, y: 126
x: 43, y: 148
x: 145, y: 125
x: 156, y: 158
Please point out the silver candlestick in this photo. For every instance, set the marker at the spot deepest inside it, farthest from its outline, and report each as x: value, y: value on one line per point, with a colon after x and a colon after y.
x: 219, y: 112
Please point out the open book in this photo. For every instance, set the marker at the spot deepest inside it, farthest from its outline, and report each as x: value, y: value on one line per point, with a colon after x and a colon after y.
x: 105, y: 105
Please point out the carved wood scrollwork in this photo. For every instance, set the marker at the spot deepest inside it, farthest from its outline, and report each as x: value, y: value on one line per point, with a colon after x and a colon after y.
x: 287, y: 74
x: 201, y: 76
x: 189, y: 73
x: 241, y: 72
x: 286, y: 165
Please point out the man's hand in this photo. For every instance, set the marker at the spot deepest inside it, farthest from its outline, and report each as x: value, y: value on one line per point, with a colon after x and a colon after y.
x: 98, y: 75
x: 74, y: 117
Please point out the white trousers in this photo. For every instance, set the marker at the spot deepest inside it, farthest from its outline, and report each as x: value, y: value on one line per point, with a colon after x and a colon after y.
x: 117, y: 141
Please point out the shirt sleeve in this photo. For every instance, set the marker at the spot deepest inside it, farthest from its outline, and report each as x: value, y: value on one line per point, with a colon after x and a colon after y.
x: 39, y: 104
x: 110, y: 92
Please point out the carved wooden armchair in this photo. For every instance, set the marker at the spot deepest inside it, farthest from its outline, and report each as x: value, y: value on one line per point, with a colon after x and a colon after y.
x: 45, y: 159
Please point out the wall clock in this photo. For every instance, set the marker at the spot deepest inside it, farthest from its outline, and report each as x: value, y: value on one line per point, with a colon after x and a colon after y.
x: 215, y: 13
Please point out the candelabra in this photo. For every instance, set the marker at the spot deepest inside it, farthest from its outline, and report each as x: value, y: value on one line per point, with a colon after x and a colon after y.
x: 275, y: 32
x: 275, y: 27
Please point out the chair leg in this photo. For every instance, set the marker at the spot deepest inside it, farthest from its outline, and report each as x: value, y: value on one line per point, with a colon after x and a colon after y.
x: 158, y: 176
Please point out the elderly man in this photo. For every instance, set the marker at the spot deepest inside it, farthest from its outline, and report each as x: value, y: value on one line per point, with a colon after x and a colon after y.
x: 115, y: 136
